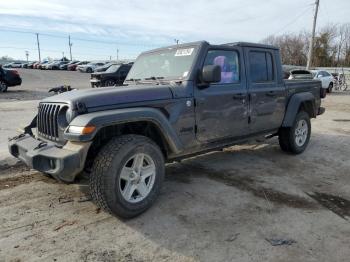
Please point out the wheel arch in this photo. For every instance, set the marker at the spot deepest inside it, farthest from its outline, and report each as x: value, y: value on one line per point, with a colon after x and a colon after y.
x: 149, y: 122
x: 301, y: 101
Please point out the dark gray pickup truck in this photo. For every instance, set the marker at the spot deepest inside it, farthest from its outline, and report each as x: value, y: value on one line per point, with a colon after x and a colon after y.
x: 176, y: 102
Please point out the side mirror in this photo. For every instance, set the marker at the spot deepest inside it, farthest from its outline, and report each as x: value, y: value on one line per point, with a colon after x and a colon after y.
x: 211, y: 74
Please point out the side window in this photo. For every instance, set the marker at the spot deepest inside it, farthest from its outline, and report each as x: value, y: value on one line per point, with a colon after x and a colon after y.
x: 228, y: 61
x: 261, y: 66
x: 325, y: 73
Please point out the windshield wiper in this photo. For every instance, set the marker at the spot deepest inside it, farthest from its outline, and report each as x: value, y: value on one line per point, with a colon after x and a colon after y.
x: 154, y: 78
x: 135, y: 80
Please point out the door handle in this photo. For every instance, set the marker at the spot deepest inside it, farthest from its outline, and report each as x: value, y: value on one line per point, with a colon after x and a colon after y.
x: 271, y: 93
x: 239, y: 96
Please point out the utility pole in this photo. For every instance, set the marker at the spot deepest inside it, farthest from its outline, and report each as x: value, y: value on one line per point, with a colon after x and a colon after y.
x: 309, y: 56
x: 37, y: 40
x: 176, y: 41
x: 27, y: 55
x: 117, y: 54
x: 70, y: 48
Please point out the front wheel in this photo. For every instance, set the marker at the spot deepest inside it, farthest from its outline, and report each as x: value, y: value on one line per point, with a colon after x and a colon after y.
x: 127, y: 175
x: 296, y: 138
x: 109, y: 82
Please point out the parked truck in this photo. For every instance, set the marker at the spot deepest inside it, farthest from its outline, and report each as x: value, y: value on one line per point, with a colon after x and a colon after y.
x: 176, y: 102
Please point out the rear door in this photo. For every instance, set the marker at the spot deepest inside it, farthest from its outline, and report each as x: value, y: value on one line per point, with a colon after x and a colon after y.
x: 266, y: 92
x: 222, y: 108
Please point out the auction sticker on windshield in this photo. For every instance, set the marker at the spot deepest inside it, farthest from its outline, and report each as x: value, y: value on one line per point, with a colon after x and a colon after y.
x: 184, y: 52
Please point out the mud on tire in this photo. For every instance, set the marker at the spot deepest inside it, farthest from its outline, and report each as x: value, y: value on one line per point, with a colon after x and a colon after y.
x: 296, y: 138
x: 106, y: 175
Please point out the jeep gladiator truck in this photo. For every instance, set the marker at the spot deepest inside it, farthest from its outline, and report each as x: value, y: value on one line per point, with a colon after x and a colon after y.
x: 176, y: 102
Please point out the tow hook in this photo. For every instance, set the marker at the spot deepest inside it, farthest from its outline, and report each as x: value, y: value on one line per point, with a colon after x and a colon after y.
x: 40, y: 145
x: 16, y: 137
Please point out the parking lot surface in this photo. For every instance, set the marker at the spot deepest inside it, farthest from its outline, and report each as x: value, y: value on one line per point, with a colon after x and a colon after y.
x: 246, y: 203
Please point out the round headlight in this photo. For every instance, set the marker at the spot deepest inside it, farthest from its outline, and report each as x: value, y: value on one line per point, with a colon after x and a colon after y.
x: 62, y: 119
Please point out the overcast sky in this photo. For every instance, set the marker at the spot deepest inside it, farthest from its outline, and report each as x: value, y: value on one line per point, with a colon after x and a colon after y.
x: 133, y: 26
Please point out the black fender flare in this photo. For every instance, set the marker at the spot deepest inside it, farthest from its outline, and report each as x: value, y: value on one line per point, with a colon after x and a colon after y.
x: 294, y: 104
x: 126, y: 115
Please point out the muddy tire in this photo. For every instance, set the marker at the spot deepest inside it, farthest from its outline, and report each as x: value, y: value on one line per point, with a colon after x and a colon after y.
x: 127, y: 175
x: 296, y: 138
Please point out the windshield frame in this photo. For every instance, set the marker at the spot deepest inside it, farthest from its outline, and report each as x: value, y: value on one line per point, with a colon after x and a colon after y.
x: 113, y: 65
x: 197, y: 50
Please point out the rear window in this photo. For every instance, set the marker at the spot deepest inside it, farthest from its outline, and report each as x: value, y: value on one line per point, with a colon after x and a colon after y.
x: 261, y: 66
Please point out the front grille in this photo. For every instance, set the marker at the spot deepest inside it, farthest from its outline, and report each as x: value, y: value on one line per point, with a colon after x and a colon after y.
x: 47, y: 120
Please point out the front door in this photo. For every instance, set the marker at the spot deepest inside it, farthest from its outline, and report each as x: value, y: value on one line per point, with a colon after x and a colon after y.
x: 222, y: 108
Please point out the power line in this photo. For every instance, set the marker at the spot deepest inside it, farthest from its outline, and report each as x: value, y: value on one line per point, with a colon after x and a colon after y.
x: 81, y: 39
x: 294, y: 20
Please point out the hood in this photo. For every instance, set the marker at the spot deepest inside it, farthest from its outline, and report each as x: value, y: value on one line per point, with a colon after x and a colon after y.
x: 112, y: 96
x: 102, y: 73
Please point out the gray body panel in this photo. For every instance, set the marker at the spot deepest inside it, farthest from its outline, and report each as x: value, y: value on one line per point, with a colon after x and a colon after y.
x: 191, y: 118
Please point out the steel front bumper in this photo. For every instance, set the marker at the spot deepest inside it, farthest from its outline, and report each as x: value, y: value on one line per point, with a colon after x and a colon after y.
x: 62, y: 163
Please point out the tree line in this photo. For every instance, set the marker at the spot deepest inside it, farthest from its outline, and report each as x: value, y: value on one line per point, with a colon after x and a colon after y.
x: 331, y: 46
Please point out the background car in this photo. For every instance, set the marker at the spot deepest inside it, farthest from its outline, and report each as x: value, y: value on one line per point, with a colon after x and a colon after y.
x: 73, y: 67
x: 105, y: 67
x: 326, y: 78
x: 36, y: 64
x: 298, y: 74
x: 42, y: 65
x: 8, y: 78
x: 13, y: 65
x: 56, y: 65
x: 114, y: 75
x: 65, y: 66
x: 89, y: 68
x: 31, y: 64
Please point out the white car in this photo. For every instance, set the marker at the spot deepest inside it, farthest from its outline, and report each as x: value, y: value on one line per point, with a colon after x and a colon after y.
x: 89, y: 68
x: 13, y: 65
x: 326, y: 78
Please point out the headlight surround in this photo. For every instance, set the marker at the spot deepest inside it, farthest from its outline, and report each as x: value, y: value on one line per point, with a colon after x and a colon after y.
x: 63, y: 117
x: 81, y: 130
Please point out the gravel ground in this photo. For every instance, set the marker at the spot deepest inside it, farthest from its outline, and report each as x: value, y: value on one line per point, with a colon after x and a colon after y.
x: 234, y: 205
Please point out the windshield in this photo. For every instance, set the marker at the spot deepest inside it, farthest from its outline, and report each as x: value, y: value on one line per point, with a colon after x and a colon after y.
x: 112, y: 68
x: 173, y: 63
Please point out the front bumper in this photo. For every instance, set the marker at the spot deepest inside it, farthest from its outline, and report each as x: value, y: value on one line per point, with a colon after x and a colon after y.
x: 95, y: 82
x: 62, y: 163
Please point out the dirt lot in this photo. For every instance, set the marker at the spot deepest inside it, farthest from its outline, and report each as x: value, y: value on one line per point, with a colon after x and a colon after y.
x: 235, y: 205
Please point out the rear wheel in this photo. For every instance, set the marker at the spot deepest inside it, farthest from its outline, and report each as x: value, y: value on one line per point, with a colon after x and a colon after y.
x: 127, y: 175
x: 89, y: 70
x: 296, y: 138
x: 330, y: 88
x: 3, y: 87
